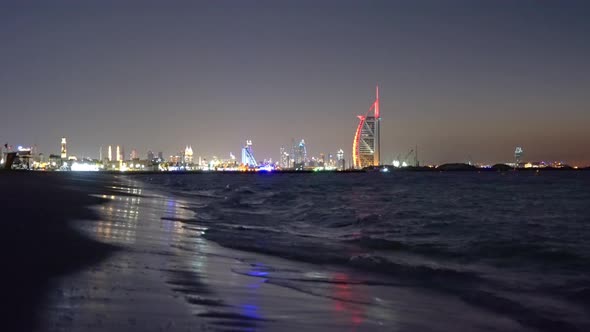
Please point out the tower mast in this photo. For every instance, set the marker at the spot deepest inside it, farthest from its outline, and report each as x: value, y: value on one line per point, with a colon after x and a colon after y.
x: 377, y: 152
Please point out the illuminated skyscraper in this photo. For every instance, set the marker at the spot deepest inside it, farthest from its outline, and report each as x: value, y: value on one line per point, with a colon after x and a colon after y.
x: 340, y: 157
x: 300, y: 155
x: 110, y: 153
x: 284, y: 159
x: 150, y: 156
x: 188, y: 155
x: 64, y: 148
x: 248, y: 155
x: 518, y: 152
x: 366, y: 145
x: 118, y: 153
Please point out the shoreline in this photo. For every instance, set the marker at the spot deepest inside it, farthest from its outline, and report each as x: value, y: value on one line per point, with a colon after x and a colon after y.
x: 166, y: 276
x: 38, y: 242
x: 390, y: 169
x: 96, y: 252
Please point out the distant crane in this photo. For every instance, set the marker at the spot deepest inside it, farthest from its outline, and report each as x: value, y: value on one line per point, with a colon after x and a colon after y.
x: 405, y: 160
x: 399, y: 162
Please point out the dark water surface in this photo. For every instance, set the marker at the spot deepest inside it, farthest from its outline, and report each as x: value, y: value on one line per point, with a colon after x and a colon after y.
x: 517, y: 244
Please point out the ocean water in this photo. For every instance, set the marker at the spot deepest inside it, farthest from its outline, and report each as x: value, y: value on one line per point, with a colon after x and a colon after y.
x: 515, y: 243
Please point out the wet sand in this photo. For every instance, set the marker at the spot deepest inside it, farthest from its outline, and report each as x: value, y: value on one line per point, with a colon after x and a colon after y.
x: 37, y: 243
x: 139, y: 263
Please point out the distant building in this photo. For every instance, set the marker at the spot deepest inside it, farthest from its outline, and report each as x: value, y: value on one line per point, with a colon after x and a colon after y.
x: 55, y: 161
x: 300, y: 155
x: 134, y: 155
x: 160, y: 156
x: 284, y: 160
x: 331, y: 162
x: 118, y: 153
x: 175, y: 160
x: 366, y: 144
x: 110, y: 156
x: 150, y: 156
x: 64, y: 149
x: 341, y: 164
x: 518, y: 153
x: 248, y: 155
x: 188, y: 155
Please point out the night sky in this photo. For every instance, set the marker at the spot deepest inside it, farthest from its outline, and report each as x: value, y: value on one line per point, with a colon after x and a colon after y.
x: 464, y: 80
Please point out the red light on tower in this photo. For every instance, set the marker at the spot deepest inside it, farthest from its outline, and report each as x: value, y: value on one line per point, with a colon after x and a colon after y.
x: 376, y: 105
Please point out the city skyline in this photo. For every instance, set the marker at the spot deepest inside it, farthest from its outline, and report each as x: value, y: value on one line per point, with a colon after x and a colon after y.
x: 471, y: 84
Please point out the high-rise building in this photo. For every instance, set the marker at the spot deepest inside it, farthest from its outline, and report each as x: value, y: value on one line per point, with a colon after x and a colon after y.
x: 133, y: 155
x: 300, y: 155
x: 150, y: 156
x: 518, y: 152
x: 248, y: 155
x: 188, y: 155
x: 118, y: 153
x: 64, y: 148
x: 284, y: 160
x: 341, y: 164
x: 366, y: 144
x: 160, y: 156
x: 110, y: 153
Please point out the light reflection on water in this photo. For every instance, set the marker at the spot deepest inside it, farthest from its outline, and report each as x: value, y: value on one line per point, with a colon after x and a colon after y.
x: 122, y: 214
x: 345, y: 293
x: 119, y: 219
x: 153, y: 223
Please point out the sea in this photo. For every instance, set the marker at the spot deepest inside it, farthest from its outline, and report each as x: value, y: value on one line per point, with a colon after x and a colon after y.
x: 515, y: 243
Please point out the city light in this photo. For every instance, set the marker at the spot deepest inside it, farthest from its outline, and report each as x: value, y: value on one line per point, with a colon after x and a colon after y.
x: 83, y: 167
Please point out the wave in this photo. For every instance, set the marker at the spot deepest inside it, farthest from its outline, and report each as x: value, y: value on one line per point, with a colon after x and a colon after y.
x: 420, y: 274
x: 520, y: 233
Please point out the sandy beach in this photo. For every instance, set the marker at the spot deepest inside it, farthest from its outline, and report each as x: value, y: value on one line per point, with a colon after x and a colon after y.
x: 105, y: 253
x: 38, y: 243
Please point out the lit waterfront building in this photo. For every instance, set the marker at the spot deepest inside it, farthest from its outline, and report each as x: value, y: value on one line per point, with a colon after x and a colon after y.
x: 188, y: 155
x: 110, y: 156
x: 175, y: 160
x: 134, y: 154
x: 300, y: 155
x: 366, y: 145
x: 150, y: 155
x: 331, y: 162
x: 64, y: 148
x: 248, y: 155
x: 340, y: 157
x: 284, y: 160
x: 518, y: 153
x: 118, y: 153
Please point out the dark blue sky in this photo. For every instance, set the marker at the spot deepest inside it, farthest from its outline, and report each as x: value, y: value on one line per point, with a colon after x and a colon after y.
x: 462, y: 79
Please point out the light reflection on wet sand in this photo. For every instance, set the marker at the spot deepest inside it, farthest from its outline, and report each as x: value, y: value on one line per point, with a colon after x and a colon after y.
x: 166, y: 276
